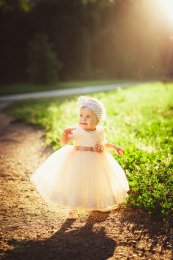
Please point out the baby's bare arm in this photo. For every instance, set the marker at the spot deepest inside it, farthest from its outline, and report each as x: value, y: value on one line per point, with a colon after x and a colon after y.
x: 65, y: 134
x: 63, y: 138
x: 117, y: 149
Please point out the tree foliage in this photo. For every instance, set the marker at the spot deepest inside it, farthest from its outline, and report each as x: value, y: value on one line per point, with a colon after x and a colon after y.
x: 43, y: 65
x: 93, y: 39
x: 13, y: 6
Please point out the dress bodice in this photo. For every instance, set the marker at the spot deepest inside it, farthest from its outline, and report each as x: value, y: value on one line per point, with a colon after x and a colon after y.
x: 81, y: 137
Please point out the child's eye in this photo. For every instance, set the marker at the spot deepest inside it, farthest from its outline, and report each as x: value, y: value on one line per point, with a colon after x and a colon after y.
x: 88, y: 116
x: 80, y: 115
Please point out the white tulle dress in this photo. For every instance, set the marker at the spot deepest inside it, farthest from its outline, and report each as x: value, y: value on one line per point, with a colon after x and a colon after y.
x: 85, y: 179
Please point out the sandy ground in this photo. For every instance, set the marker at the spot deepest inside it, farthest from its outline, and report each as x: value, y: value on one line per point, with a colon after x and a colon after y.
x: 32, y: 229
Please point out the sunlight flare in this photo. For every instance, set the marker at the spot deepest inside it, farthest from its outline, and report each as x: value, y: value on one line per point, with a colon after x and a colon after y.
x: 168, y: 5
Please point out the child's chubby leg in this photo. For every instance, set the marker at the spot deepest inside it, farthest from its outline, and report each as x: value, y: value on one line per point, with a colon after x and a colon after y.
x: 104, y: 210
x: 115, y: 207
x: 73, y: 213
x: 108, y: 209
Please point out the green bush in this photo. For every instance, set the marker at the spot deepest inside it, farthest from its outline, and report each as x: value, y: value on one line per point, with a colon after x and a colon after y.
x: 43, y: 65
x: 151, y: 181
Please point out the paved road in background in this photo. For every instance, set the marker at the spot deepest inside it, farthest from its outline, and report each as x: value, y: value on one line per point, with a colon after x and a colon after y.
x: 64, y: 92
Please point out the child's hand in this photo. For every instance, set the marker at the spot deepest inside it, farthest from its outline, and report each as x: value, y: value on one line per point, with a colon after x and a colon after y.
x: 68, y: 131
x: 119, y: 151
x: 99, y: 147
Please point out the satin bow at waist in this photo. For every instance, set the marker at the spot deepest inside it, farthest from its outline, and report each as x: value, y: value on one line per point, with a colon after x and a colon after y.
x: 83, y: 148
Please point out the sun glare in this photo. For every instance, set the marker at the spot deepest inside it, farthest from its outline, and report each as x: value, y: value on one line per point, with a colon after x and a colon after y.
x: 168, y: 5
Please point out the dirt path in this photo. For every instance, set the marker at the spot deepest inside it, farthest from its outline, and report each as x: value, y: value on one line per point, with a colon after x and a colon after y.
x: 31, y: 229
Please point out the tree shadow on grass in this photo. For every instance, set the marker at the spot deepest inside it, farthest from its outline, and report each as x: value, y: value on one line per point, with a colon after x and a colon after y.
x: 81, y: 243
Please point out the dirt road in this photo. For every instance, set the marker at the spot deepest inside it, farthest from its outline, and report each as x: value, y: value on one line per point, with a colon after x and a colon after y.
x: 31, y: 229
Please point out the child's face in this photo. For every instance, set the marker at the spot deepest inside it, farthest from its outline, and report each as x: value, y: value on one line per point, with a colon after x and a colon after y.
x: 87, y: 119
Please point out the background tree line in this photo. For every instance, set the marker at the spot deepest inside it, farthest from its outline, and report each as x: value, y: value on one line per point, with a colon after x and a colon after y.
x: 88, y: 39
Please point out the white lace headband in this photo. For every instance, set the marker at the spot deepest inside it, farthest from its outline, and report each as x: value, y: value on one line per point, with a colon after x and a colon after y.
x: 98, y: 109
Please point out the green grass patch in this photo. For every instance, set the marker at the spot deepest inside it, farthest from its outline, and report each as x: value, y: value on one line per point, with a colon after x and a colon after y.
x: 22, y: 88
x: 139, y: 119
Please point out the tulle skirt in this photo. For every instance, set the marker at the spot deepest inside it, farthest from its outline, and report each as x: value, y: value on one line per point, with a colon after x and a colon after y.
x: 84, y: 179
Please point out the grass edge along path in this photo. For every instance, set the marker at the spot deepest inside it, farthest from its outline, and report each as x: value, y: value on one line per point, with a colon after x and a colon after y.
x: 139, y: 120
x: 23, y: 88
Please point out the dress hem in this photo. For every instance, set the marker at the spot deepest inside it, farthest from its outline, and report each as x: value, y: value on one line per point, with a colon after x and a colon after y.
x: 88, y: 204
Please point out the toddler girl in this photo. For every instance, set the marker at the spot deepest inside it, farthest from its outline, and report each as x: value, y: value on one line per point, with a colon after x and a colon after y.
x: 84, y: 175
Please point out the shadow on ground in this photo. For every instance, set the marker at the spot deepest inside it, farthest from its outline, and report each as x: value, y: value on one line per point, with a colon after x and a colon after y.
x: 82, y: 243
x: 134, y: 236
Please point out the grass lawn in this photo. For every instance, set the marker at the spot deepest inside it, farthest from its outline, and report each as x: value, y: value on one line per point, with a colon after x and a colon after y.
x: 29, y: 88
x: 139, y: 119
